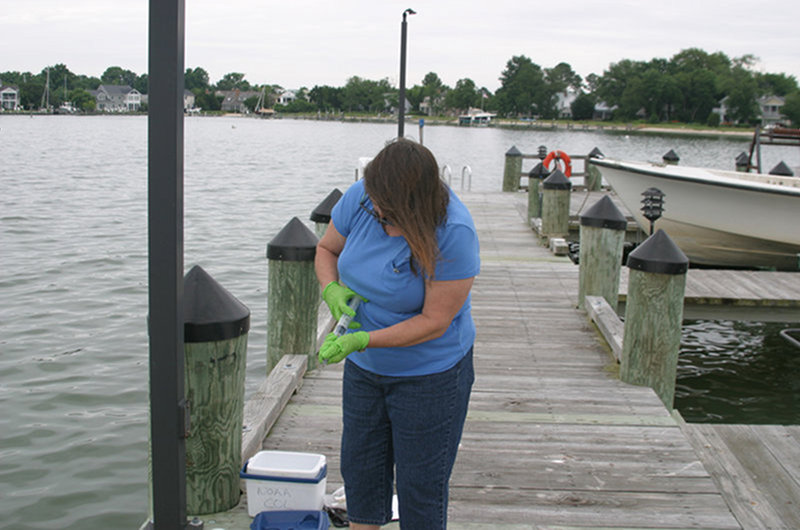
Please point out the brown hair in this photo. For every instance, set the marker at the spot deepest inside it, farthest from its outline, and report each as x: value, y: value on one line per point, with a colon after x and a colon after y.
x: 403, y: 181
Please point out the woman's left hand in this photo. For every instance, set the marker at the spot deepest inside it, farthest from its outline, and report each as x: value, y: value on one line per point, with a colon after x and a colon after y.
x: 335, y: 349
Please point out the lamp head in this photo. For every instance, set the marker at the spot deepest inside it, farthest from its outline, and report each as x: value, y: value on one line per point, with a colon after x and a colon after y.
x: 408, y: 11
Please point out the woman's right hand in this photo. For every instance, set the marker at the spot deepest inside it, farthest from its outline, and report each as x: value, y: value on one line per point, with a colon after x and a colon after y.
x: 337, y: 296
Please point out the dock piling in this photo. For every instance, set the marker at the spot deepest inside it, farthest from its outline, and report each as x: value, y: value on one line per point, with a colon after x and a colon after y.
x: 593, y: 179
x: 216, y: 326
x: 535, y: 178
x: 321, y: 215
x: 555, y: 205
x: 602, y: 235
x: 653, y: 315
x: 513, y: 169
x: 293, y: 296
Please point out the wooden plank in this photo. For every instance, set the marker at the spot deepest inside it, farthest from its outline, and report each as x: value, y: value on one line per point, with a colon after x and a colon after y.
x: 262, y: 410
x: 607, y: 322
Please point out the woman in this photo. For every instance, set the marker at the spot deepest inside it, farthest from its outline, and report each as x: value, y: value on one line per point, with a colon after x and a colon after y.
x: 405, y: 244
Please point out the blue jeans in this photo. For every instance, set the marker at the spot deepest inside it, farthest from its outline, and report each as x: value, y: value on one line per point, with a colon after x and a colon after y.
x: 411, y: 425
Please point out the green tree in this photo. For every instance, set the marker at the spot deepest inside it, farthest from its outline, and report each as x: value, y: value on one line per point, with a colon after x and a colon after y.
x: 583, y: 107
x: 463, y: 96
x: 776, y: 84
x: 195, y: 78
x: 115, y: 75
x: 434, y: 90
x: 561, y: 77
x: 612, y: 84
x: 791, y: 108
x: 82, y: 100
x: 415, y: 95
x: 233, y: 81
x: 742, y: 90
x: 521, y: 81
x: 326, y: 98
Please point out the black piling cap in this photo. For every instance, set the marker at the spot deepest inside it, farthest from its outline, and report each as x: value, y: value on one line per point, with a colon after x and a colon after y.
x: 596, y: 153
x: 295, y: 242
x: 211, y: 313
x: 604, y: 214
x: 658, y: 253
x: 671, y: 156
x: 538, y: 172
x: 557, y: 181
x: 513, y: 151
x: 742, y: 160
x: 782, y: 170
x: 322, y: 213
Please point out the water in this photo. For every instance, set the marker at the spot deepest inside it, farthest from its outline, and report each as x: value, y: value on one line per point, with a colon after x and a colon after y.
x: 736, y: 370
x: 73, y: 273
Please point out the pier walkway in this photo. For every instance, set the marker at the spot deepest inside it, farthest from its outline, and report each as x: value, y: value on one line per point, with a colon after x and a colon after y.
x: 553, y: 437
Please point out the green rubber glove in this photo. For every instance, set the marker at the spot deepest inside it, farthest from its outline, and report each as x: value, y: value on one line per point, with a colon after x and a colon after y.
x: 335, y: 349
x: 337, y: 296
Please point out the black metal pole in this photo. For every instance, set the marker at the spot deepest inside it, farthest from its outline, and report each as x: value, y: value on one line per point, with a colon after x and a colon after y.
x: 165, y: 248
x: 401, y: 106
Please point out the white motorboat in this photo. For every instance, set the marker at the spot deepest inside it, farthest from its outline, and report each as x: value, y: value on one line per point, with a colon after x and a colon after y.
x: 718, y: 218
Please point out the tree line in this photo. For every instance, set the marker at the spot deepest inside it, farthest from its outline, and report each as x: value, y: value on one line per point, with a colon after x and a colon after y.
x: 685, y: 88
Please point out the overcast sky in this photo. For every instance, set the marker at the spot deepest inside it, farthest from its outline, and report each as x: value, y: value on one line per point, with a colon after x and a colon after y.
x: 296, y: 43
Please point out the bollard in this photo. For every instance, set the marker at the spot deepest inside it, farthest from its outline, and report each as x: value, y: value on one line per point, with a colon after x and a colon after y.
x: 513, y: 169
x: 593, y: 179
x: 555, y: 205
x: 653, y: 315
x: 781, y: 170
x: 215, y: 344
x: 535, y: 177
x: 602, y: 235
x: 293, y: 297
x: 671, y: 158
x: 742, y: 162
x: 322, y: 213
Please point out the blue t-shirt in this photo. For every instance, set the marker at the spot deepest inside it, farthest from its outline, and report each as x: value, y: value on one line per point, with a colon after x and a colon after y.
x: 378, y: 267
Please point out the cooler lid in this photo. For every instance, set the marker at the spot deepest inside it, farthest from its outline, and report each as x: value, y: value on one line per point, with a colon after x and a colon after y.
x: 286, y: 464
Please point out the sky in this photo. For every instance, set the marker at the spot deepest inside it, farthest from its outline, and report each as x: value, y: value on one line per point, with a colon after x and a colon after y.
x: 303, y: 43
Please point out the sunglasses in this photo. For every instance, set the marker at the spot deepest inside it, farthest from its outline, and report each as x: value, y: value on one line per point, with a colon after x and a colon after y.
x: 382, y: 220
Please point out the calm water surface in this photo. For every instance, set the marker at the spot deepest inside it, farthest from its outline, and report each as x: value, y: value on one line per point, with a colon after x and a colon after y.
x: 73, y: 271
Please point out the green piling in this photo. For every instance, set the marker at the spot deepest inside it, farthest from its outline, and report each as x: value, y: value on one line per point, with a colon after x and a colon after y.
x: 556, y: 191
x: 653, y: 315
x: 602, y: 235
x: 293, y: 297
x: 535, y: 177
x: 513, y: 169
x: 216, y: 326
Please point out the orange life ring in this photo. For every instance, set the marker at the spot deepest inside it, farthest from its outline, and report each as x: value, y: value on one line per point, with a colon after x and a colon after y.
x: 560, y: 156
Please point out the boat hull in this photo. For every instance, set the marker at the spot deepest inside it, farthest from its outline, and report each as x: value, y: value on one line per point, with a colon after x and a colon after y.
x: 717, y: 218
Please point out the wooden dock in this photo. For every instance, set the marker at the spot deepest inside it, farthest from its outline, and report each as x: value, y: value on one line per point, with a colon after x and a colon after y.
x: 553, y: 438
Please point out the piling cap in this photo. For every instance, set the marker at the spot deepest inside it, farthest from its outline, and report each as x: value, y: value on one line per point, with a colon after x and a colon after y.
x: 538, y: 172
x: 322, y: 213
x: 604, y: 214
x: 513, y: 151
x: 742, y: 159
x: 211, y: 313
x: 295, y: 242
x: 596, y: 153
x: 782, y: 170
x: 557, y: 181
x: 671, y: 156
x: 658, y: 253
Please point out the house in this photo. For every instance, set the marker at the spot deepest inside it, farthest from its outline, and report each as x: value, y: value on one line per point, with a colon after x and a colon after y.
x: 603, y: 112
x: 564, y: 102
x: 770, y: 107
x: 286, y: 97
x: 188, y: 100
x: 233, y: 100
x: 117, y: 98
x: 9, y: 97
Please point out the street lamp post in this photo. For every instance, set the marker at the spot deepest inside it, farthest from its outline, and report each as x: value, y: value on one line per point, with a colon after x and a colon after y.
x: 401, y: 107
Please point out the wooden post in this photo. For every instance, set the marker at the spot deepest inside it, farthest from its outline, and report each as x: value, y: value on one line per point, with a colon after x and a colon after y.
x: 602, y: 236
x: 513, y: 169
x: 593, y: 179
x: 215, y: 333
x: 293, y: 297
x: 671, y: 158
x: 555, y: 205
x: 322, y: 213
x: 653, y: 315
x: 535, y: 177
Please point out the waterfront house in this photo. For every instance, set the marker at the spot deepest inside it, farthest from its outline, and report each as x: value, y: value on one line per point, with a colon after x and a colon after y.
x: 117, y: 98
x: 564, y: 102
x: 233, y: 100
x: 286, y: 97
x: 188, y: 100
x: 770, y: 107
x: 9, y: 97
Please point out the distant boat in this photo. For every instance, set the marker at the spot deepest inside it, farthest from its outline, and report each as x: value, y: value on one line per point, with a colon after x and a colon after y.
x: 718, y: 218
x: 476, y: 118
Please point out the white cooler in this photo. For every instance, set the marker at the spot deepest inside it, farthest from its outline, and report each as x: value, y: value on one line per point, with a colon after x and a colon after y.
x: 282, y: 480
